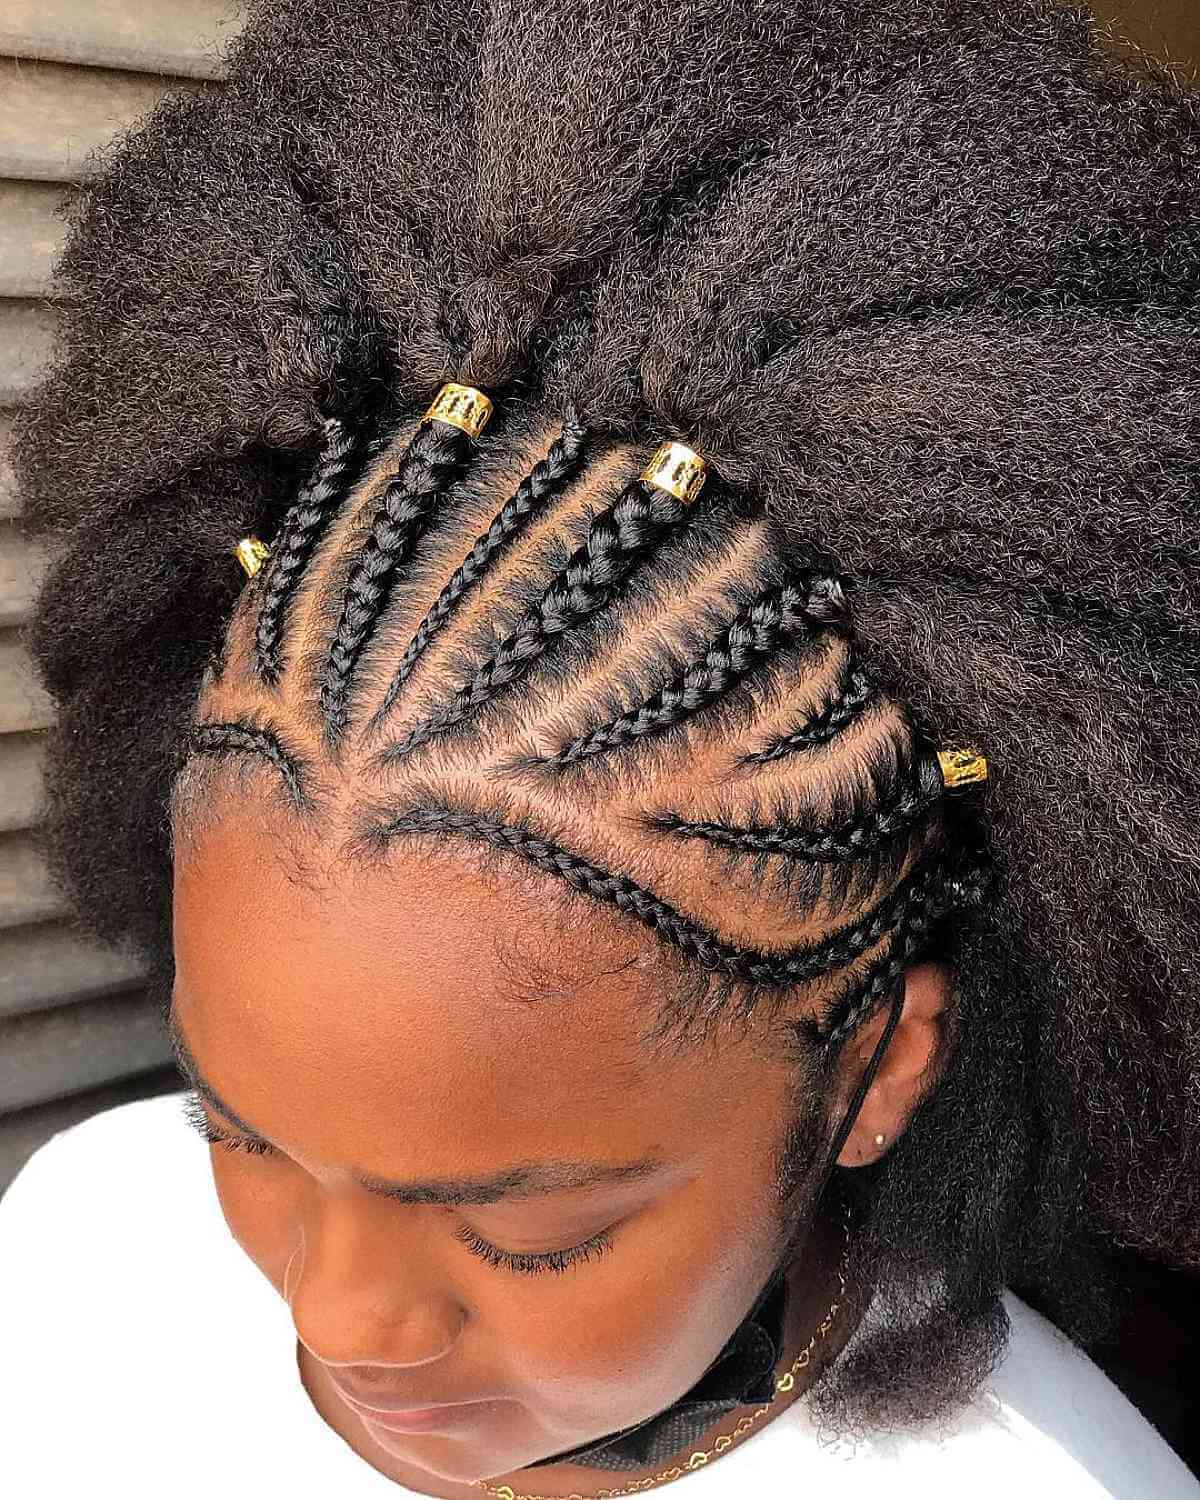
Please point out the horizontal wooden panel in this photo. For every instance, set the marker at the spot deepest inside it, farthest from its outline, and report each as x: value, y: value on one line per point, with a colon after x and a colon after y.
x: 20, y: 780
x: 22, y: 1132
x: 149, y: 36
x: 8, y: 480
x: 53, y: 116
x: 27, y: 894
x: 31, y: 237
x: 24, y: 702
x: 23, y: 564
x: 53, y: 1053
x: 27, y: 332
x: 51, y: 964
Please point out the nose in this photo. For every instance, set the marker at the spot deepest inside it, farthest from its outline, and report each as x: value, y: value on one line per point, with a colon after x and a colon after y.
x: 369, y: 1289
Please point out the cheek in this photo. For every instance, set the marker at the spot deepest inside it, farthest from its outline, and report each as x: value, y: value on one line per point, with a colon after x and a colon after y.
x: 632, y: 1332
x: 259, y: 1207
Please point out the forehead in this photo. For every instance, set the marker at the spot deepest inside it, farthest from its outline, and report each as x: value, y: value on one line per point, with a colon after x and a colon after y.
x: 492, y: 1020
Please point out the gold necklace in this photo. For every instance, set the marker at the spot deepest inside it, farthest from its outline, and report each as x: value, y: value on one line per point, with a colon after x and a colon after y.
x: 724, y: 1442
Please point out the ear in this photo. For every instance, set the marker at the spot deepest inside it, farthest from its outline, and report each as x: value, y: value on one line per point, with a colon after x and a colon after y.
x: 909, y: 1069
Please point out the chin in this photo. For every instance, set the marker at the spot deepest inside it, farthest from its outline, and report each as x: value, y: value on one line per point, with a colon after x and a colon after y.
x: 458, y: 1457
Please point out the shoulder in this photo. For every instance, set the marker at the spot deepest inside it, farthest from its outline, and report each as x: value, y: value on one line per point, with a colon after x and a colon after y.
x: 1049, y: 1397
x: 1048, y: 1421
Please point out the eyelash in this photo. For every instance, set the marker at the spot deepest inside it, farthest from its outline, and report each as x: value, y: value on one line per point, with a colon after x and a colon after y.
x: 555, y: 1261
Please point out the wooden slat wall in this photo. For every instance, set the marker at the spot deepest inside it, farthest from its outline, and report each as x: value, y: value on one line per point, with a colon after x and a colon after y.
x: 78, y: 1032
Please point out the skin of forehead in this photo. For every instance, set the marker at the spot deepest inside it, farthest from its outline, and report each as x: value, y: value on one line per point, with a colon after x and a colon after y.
x: 496, y: 1027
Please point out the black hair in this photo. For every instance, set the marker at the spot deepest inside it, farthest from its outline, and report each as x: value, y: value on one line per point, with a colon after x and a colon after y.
x: 920, y: 280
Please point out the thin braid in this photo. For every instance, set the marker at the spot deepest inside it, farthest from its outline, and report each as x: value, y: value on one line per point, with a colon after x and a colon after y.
x: 240, y: 738
x: 319, y: 497
x: 547, y: 477
x: 620, y: 537
x: 917, y: 891
x: 758, y: 632
x: 883, y: 976
x: 884, y: 822
x: 430, y: 462
x: 857, y: 690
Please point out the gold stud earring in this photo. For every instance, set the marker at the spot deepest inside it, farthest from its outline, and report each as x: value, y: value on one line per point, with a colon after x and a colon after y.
x: 879, y: 1139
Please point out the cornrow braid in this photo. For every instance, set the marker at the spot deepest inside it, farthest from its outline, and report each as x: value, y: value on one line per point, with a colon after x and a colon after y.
x: 884, y: 822
x: 855, y: 692
x: 620, y: 537
x: 319, y: 497
x: 238, y: 737
x: 922, y: 889
x: 847, y: 1015
x: 547, y: 477
x: 430, y: 462
x: 777, y: 615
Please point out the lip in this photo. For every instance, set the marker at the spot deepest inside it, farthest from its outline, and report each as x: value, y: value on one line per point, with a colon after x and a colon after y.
x: 410, y: 1419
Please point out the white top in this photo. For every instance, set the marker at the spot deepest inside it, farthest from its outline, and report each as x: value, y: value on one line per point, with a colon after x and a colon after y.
x: 121, y: 1287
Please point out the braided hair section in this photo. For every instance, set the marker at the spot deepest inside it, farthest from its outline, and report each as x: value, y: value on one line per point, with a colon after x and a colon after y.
x: 776, y: 617
x: 407, y: 504
x: 855, y: 693
x: 926, y: 892
x: 546, y: 479
x: 239, y: 737
x: 621, y: 536
x: 885, y: 822
x: 321, y: 494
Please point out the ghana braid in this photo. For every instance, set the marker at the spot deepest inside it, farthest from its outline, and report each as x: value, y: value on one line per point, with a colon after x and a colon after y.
x: 299, y: 534
x: 409, y: 500
x: 543, y: 481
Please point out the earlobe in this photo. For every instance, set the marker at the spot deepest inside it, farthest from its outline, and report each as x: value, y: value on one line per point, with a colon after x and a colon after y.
x: 909, y: 1068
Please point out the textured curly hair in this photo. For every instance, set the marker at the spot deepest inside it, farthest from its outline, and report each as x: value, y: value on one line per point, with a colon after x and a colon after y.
x: 920, y: 279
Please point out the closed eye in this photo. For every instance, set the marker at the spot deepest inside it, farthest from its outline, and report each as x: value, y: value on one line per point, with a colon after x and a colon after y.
x: 523, y: 1264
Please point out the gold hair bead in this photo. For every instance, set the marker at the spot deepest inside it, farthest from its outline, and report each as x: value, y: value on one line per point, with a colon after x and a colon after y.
x: 251, y: 553
x: 962, y: 767
x: 678, y: 470
x: 462, y: 406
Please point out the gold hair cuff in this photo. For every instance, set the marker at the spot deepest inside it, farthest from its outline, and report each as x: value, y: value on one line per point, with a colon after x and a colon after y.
x: 462, y: 406
x: 676, y: 469
x: 962, y: 767
x: 252, y: 553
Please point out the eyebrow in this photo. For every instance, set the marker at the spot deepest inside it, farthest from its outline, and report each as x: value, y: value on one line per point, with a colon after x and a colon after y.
x: 523, y: 1180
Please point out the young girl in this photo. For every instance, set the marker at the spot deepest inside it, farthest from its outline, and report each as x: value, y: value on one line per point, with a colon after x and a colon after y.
x: 626, y: 646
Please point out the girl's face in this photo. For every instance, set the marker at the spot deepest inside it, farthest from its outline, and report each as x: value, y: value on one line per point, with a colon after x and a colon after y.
x: 445, y: 1077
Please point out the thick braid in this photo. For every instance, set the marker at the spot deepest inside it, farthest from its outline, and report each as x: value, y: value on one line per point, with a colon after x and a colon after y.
x: 855, y: 693
x: 547, y: 477
x: 884, y: 822
x: 239, y: 738
x: 619, y: 538
x: 314, y: 506
x: 407, y: 503
x: 752, y: 638
x: 916, y: 892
